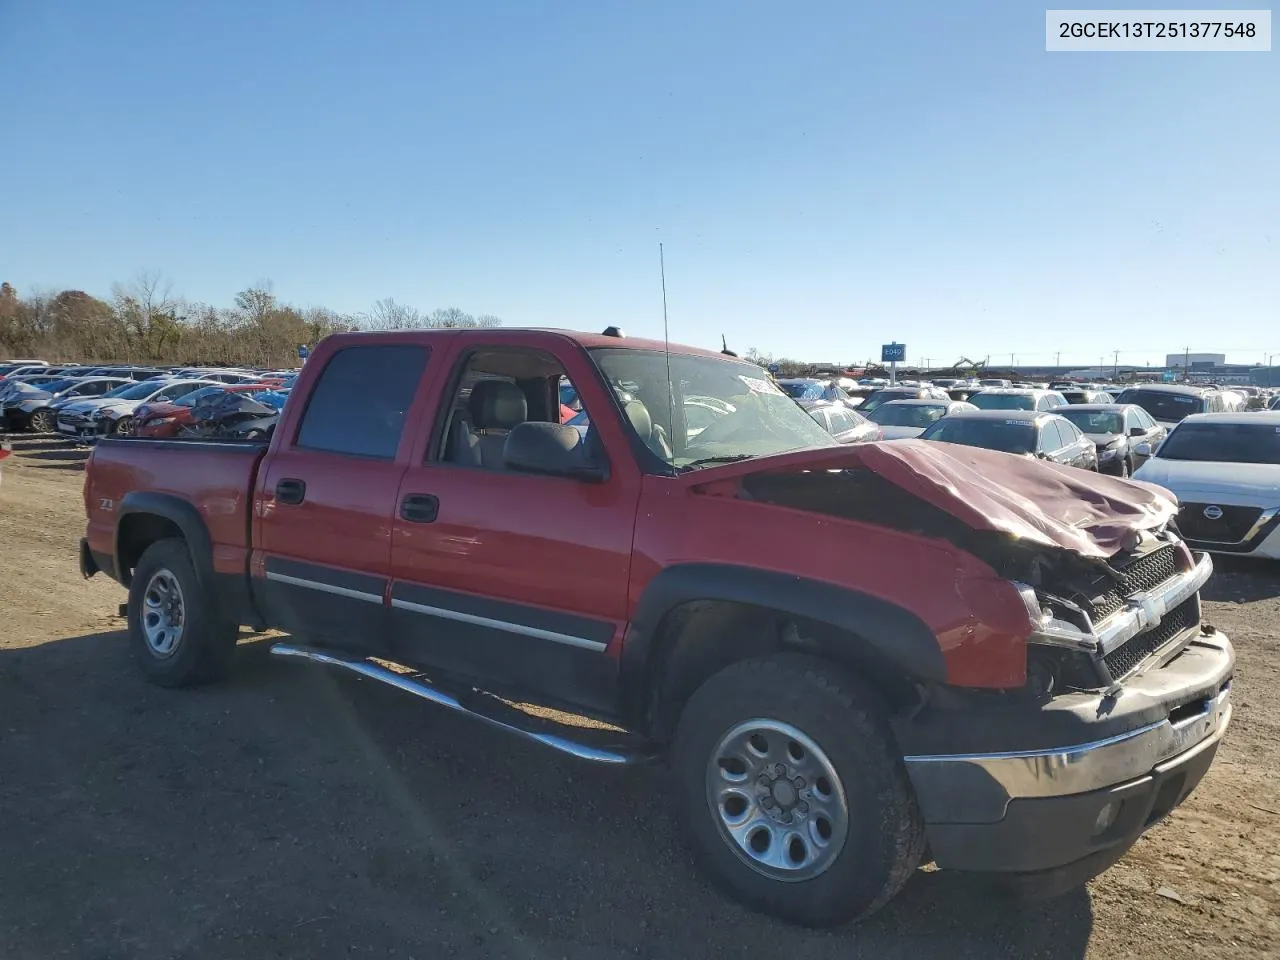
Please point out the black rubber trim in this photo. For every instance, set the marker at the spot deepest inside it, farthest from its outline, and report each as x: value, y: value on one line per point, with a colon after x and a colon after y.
x: 330, y: 576
x: 233, y: 592
x: 901, y: 638
x: 179, y: 511
x: 598, y: 631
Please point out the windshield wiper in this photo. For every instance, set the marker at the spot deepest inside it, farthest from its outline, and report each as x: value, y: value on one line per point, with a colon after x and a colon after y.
x: 727, y: 458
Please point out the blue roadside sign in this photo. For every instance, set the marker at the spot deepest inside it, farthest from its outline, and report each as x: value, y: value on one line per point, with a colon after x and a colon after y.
x: 1168, y: 376
x: 893, y: 353
x: 303, y: 352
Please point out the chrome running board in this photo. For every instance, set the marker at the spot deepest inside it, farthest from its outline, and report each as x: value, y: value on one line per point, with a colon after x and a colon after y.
x: 616, y: 748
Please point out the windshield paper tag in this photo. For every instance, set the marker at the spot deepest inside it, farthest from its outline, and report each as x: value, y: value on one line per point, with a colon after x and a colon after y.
x: 759, y: 386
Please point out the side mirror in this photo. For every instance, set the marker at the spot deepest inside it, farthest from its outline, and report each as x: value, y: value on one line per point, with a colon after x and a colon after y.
x: 1142, y: 449
x: 551, y: 449
x: 1137, y: 432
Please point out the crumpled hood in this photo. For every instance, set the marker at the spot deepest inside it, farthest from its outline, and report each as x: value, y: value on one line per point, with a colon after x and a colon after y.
x: 1030, y: 501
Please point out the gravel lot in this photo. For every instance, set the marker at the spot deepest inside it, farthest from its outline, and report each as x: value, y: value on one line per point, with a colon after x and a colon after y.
x: 293, y: 813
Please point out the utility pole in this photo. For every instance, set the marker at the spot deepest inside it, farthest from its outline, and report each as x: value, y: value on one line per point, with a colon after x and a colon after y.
x: 1116, y: 372
x: 1057, y: 359
x: 1013, y: 361
x: 1186, y: 364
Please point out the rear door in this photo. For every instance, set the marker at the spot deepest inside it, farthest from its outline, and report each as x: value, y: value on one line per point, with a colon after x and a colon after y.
x: 327, y: 493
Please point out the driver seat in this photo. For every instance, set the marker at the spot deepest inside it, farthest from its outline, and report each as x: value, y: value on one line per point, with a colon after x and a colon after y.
x: 495, y: 407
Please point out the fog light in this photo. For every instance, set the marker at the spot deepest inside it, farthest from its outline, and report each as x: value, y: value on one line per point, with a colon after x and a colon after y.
x: 1106, y: 817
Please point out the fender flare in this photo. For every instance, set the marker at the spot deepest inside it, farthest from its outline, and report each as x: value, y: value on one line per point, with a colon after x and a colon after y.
x: 895, y: 634
x: 184, y: 515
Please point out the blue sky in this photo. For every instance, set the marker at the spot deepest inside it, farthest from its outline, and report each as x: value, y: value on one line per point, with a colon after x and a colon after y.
x: 824, y: 176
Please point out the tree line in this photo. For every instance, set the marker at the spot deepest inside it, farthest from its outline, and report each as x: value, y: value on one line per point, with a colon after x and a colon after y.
x: 144, y: 321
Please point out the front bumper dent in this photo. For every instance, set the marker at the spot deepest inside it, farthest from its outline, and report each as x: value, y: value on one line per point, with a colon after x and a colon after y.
x: 1037, y: 812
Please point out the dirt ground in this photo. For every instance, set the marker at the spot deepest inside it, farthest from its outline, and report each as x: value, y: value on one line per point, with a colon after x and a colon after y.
x: 292, y: 813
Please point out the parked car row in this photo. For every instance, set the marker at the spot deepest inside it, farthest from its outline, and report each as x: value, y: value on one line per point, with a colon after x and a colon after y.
x: 83, y: 402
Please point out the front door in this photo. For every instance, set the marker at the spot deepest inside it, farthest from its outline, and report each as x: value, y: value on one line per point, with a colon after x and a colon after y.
x: 327, y: 494
x: 514, y: 580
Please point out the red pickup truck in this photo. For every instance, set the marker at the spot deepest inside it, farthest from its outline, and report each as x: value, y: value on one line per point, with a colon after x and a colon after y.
x: 852, y: 657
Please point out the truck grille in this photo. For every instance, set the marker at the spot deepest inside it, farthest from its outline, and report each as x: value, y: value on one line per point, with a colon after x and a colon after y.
x: 1232, y: 526
x: 1125, y: 658
x: 1148, y: 571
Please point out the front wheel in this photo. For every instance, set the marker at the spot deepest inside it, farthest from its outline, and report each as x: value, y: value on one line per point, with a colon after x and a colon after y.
x: 792, y: 793
x: 178, y: 636
x: 124, y: 427
x: 41, y: 422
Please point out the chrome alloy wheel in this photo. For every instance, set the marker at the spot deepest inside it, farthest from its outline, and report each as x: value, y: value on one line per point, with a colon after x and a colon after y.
x: 777, y: 799
x: 163, y: 613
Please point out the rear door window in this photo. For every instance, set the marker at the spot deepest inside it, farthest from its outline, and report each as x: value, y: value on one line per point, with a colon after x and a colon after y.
x: 358, y: 405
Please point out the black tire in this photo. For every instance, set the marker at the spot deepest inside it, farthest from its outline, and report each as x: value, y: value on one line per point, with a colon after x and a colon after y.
x: 123, y: 427
x: 885, y: 838
x: 42, y: 421
x: 206, y: 645
x: 1126, y: 468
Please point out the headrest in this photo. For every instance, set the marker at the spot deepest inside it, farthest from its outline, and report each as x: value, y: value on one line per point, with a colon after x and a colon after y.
x: 497, y: 405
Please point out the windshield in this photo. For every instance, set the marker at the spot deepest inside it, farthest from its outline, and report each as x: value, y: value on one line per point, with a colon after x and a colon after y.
x: 1003, y: 401
x: 35, y: 383
x: 1010, y: 436
x: 880, y: 397
x: 135, y: 391
x: 739, y: 414
x: 802, y: 391
x: 1093, y: 421
x: 908, y: 415
x: 195, y: 396
x: 1170, y: 407
x: 1223, y: 442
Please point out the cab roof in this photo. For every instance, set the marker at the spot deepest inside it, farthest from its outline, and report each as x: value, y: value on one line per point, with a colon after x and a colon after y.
x: 496, y: 335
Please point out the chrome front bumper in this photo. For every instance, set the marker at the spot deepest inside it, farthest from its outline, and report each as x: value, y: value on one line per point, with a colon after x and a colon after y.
x: 1176, y: 709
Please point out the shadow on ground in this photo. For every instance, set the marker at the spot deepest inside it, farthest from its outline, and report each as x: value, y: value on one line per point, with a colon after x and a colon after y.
x: 294, y: 813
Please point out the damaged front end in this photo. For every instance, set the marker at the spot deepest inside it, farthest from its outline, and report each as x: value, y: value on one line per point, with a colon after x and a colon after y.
x: 1126, y: 694
x: 1107, y: 584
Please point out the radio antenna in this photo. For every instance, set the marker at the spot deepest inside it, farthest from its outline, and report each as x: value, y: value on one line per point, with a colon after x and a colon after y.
x: 666, y: 346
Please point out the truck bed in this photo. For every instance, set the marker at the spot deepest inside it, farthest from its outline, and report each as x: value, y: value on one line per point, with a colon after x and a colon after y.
x: 215, y: 479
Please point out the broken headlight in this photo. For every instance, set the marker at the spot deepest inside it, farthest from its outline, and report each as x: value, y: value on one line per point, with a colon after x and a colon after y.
x: 1062, y: 650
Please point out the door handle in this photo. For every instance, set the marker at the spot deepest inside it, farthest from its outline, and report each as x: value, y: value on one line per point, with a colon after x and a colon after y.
x: 290, y: 491
x: 419, y: 508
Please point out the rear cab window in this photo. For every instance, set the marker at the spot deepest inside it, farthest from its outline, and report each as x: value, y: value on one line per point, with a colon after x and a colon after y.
x: 359, y: 403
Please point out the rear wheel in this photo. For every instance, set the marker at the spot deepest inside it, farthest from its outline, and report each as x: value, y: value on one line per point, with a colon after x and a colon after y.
x: 41, y: 422
x: 792, y: 793
x: 177, y: 635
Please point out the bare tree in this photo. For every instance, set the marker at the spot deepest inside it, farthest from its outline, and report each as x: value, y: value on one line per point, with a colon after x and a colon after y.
x: 386, y: 314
